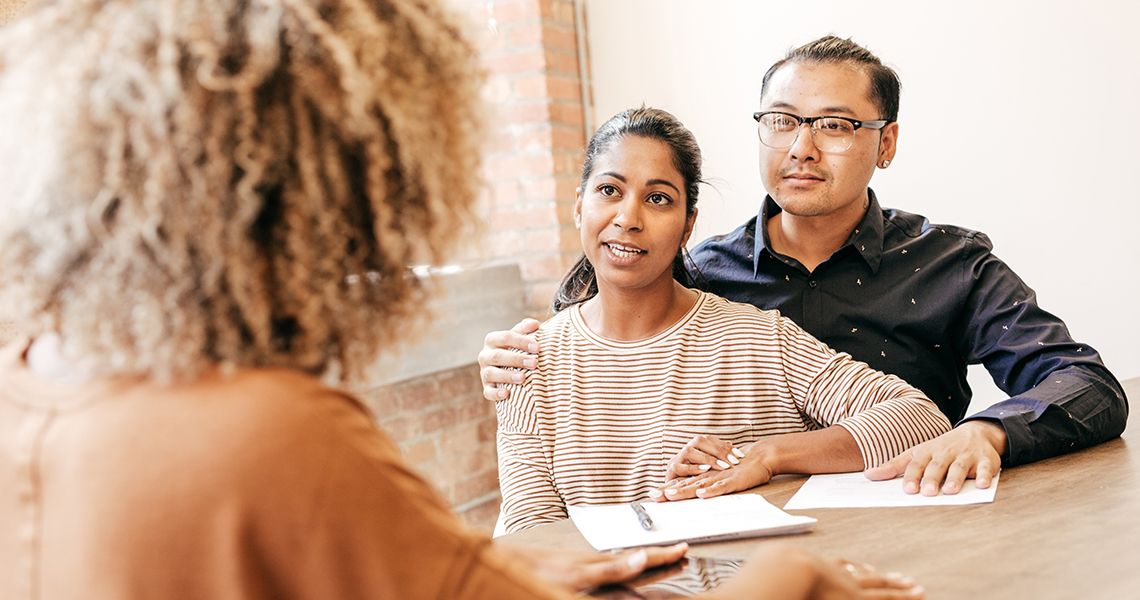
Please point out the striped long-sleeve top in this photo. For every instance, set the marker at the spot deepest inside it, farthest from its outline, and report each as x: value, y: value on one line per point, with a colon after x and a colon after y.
x: 599, y: 419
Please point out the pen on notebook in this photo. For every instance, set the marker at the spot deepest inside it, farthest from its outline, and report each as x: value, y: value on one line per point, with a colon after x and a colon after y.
x: 642, y: 516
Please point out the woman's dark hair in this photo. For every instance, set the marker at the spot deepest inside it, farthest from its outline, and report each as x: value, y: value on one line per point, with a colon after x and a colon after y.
x: 580, y: 284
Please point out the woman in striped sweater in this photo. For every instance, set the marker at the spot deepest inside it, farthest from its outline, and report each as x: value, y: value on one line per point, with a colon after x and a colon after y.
x: 643, y: 379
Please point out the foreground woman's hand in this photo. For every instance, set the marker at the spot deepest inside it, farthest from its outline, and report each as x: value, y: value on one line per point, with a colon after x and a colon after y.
x: 583, y: 569
x: 790, y: 573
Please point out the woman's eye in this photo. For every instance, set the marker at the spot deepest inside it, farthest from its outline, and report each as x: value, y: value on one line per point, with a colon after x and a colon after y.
x: 607, y: 190
x: 659, y: 199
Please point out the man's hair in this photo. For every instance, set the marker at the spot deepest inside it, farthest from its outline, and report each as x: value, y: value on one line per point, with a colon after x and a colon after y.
x: 885, y: 84
x: 190, y: 183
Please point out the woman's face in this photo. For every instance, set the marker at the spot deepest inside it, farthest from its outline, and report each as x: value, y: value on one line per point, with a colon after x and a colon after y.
x: 631, y: 214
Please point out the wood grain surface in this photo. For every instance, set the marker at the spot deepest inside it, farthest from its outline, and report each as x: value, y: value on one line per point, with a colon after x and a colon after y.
x: 1066, y: 527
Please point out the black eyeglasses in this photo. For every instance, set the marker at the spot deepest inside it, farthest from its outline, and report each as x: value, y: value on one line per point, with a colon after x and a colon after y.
x: 779, y: 130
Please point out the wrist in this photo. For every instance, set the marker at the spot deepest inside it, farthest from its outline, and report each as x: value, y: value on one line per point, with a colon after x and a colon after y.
x: 992, y: 432
x: 766, y: 455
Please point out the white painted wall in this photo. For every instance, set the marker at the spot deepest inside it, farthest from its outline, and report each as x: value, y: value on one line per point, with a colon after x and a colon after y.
x: 1020, y: 119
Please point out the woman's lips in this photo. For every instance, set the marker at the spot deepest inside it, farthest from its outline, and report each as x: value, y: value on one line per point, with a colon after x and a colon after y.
x: 623, y: 253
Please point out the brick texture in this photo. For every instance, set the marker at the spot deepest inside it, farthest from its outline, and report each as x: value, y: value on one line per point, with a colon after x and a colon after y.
x: 534, y: 151
x: 529, y: 51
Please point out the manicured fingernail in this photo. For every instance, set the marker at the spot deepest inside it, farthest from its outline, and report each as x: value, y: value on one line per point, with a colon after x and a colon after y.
x: 704, y: 467
x: 502, y: 394
x: 720, y: 463
x: 530, y: 363
x: 700, y: 491
x: 637, y: 560
x: 533, y: 347
x: 655, y: 493
x: 738, y: 453
x: 670, y: 492
x: 732, y: 459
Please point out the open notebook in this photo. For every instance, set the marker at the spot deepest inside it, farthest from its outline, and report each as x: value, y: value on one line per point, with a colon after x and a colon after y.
x: 609, y: 526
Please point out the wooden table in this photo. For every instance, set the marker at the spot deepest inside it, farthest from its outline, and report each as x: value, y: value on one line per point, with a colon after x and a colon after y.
x: 1067, y: 527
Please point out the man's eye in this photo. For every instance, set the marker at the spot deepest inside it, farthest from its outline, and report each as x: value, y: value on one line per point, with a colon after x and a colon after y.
x: 782, y: 123
x: 834, y: 125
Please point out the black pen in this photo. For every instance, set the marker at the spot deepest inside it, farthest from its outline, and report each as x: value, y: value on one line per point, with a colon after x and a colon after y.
x: 646, y: 522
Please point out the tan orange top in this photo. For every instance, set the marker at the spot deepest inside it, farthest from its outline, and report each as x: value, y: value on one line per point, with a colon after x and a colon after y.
x: 264, y: 484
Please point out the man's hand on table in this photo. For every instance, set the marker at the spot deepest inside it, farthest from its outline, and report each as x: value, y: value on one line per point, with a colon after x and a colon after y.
x: 498, y: 358
x: 971, y: 450
x: 708, y: 466
x: 582, y: 570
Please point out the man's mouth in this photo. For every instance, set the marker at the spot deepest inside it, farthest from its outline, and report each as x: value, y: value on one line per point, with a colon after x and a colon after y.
x: 803, y: 176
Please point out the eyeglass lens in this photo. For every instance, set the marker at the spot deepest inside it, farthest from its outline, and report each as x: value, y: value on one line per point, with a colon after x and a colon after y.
x: 828, y: 134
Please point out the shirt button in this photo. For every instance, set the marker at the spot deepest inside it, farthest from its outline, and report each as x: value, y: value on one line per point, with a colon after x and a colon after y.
x: 813, y: 284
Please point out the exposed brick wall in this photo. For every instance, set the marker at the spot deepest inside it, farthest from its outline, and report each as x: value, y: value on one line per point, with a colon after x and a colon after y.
x: 534, y: 155
x: 530, y: 53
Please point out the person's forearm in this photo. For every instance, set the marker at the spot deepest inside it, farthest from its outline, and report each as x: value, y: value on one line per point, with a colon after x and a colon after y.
x: 830, y: 450
x: 1069, y: 410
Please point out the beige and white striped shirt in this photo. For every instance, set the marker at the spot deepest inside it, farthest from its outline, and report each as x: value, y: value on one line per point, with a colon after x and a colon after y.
x: 598, y: 420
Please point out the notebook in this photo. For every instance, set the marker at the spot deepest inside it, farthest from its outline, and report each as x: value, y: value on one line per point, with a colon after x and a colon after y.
x: 611, y: 526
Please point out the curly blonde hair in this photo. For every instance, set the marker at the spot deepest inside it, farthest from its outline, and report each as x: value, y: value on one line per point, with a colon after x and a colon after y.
x: 192, y: 183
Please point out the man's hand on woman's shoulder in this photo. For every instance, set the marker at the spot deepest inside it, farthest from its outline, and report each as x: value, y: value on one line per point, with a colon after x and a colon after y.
x: 504, y: 355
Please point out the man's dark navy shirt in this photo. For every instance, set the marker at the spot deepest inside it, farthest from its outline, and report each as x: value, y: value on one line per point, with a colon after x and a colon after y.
x: 923, y: 301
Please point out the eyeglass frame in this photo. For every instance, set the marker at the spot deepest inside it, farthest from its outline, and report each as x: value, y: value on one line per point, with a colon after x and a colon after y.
x: 874, y: 125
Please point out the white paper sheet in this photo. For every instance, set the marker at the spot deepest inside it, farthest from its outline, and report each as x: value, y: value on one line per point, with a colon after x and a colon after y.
x: 854, y: 490
x: 608, y: 526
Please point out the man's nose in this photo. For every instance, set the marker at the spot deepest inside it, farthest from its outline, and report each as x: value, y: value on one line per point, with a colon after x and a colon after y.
x: 804, y: 147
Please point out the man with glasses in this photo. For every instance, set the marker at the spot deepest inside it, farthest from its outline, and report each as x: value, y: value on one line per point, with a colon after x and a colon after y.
x: 911, y: 298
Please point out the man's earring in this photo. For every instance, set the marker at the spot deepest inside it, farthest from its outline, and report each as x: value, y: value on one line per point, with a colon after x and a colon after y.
x: 886, y: 163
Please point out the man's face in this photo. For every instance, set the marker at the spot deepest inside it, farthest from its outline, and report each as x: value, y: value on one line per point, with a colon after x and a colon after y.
x: 804, y: 180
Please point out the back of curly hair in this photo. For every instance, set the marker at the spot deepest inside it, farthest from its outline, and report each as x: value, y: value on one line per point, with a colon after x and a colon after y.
x: 195, y: 183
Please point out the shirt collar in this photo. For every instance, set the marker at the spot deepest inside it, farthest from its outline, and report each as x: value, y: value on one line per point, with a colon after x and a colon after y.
x: 866, y: 239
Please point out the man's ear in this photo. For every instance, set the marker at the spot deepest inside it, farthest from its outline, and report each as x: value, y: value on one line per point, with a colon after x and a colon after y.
x: 578, y: 207
x: 887, y: 145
